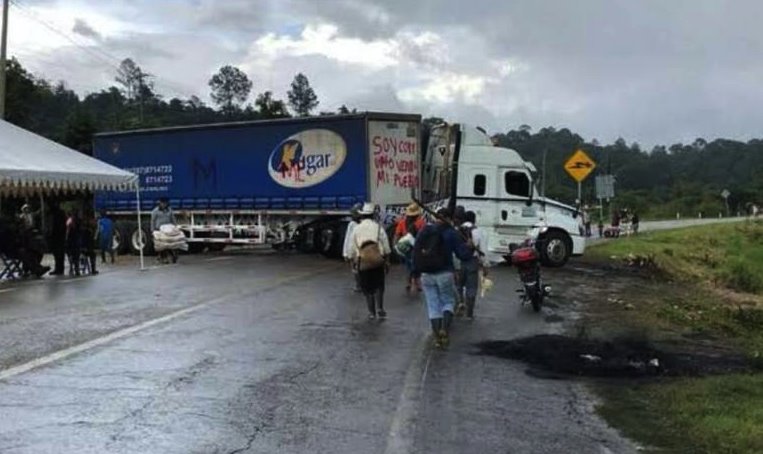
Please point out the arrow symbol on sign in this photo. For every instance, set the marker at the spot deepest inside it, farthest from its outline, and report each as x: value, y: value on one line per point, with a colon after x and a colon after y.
x: 580, y: 165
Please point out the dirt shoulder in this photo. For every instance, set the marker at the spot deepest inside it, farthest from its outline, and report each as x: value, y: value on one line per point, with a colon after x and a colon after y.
x: 698, y: 313
x: 677, y: 363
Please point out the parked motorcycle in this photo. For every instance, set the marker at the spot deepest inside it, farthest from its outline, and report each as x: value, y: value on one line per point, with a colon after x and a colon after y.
x: 526, y: 259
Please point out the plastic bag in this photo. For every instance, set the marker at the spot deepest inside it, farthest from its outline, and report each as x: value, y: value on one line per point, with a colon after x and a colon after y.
x: 405, y: 244
x: 486, y: 284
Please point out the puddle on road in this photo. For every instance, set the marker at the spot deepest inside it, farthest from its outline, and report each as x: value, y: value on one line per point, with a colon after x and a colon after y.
x: 553, y: 318
x: 561, y: 356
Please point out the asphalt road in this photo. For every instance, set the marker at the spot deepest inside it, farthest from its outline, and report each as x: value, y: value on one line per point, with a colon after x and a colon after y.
x: 651, y: 226
x: 679, y: 223
x: 268, y: 353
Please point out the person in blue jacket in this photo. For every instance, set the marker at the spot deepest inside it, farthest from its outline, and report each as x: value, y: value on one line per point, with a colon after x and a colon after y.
x: 433, y: 255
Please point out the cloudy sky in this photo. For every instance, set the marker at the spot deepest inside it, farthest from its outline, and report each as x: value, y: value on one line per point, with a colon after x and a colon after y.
x: 653, y: 71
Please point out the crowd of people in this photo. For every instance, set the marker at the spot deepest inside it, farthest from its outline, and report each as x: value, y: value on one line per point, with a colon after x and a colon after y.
x: 73, y: 237
x: 443, y: 258
x: 624, y: 222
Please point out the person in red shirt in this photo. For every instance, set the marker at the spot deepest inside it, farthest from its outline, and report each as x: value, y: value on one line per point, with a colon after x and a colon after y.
x: 412, y: 223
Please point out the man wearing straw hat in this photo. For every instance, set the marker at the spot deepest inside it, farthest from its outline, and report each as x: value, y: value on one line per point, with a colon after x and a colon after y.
x: 405, y: 233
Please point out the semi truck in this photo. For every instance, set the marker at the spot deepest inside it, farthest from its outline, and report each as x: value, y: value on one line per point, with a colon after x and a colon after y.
x: 290, y: 183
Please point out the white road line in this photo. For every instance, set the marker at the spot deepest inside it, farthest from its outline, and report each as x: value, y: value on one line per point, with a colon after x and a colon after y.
x: 70, y: 280
x: 6, y: 290
x: 61, y: 354
x: 119, y: 334
x: 218, y: 259
x: 402, y: 429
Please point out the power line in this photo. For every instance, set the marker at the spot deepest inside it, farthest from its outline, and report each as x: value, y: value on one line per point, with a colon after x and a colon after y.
x: 95, y: 52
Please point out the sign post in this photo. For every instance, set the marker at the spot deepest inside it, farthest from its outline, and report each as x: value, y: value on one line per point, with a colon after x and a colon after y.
x: 579, y: 166
x: 605, y: 189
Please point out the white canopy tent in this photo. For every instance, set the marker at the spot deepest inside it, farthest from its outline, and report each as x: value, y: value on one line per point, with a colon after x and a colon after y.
x: 33, y: 165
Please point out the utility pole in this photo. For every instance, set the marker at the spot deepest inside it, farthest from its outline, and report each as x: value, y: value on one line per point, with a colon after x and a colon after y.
x: 3, y: 48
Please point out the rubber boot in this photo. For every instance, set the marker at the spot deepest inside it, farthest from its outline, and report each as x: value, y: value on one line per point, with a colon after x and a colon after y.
x: 447, y: 319
x: 380, y: 304
x: 371, y: 304
x: 436, y: 329
x: 470, y: 302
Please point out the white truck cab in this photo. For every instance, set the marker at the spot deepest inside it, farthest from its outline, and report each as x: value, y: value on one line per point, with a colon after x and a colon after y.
x: 463, y: 167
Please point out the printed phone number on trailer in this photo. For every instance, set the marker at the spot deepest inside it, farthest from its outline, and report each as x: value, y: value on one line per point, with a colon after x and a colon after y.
x: 146, y: 170
x: 161, y: 179
x: 155, y: 189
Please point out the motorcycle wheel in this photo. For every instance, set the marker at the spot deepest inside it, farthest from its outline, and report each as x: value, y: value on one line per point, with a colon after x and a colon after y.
x: 537, y: 301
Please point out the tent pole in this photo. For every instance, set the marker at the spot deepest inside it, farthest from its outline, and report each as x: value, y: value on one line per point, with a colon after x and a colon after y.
x: 42, y: 213
x: 140, y: 226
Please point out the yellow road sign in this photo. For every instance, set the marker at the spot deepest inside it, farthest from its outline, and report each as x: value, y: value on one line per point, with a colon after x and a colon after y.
x: 579, y: 166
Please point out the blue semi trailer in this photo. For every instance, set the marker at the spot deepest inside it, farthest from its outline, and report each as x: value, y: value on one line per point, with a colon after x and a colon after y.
x: 285, y: 182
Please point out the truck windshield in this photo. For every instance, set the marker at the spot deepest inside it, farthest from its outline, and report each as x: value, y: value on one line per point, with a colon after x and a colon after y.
x: 516, y: 183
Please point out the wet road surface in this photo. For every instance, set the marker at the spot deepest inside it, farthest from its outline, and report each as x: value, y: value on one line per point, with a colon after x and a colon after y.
x: 268, y: 353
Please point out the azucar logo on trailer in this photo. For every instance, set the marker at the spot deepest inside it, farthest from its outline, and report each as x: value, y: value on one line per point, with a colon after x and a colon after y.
x: 307, y: 158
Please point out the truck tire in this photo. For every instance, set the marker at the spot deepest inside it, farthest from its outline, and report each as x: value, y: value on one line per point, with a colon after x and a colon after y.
x: 196, y: 248
x: 306, y: 239
x: 120, y: 245
x: 135, y: 246
x: 122, y: 230
x: 337, y: 250
x: 555, y: 249
x: 326, y: 235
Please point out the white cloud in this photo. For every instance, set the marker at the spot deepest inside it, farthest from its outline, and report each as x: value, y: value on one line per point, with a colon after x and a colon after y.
x: 447, y: 87
x: 324, y: 39
x: 652, y: 71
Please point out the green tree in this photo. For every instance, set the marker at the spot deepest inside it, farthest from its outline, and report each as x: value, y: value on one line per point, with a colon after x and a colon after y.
x: 78, y: 131
x: 138, y: 86
x: 22, y: 95
x: 269, y: 107
x: 230, y: 88
x: 302, y: 97
x: 344, y: 110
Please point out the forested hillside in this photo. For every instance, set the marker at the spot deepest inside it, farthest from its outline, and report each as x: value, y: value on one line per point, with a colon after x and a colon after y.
x: 685, y: 178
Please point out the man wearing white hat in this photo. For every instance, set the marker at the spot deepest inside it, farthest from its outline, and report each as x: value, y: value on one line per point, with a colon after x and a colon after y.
x: 369, y: 248
x: 347, y: 248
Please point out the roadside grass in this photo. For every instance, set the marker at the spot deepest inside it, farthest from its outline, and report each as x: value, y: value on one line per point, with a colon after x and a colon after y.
x: 725, y: 255
x: 709, y: 289
x: 722, y: 414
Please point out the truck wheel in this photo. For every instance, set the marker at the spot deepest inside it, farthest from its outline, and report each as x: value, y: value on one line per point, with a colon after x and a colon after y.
x: 119, y: 244
x: 327, y: 239
x: 122, y: 231
x: 555, y: 249
x: 306, y: 240
x: 337, y: 250
x: 135, y: 244
x: 195, y: 248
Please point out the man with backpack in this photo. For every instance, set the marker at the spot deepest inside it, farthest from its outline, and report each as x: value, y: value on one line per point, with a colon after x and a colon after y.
x: 433, y: 257
x: 369, y: 248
